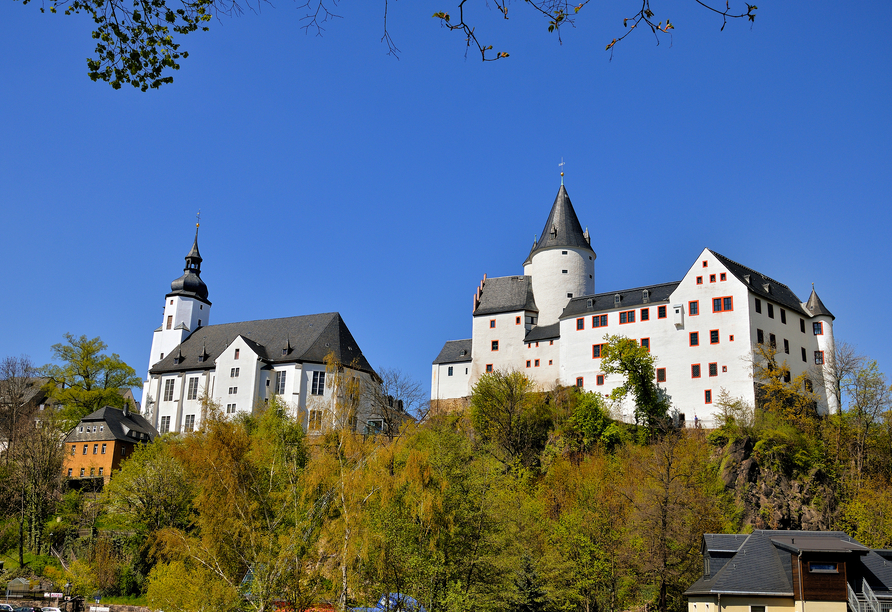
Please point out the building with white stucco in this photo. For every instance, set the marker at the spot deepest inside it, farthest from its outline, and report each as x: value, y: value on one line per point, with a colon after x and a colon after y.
x: 550, y: 324
x: 238, y: 365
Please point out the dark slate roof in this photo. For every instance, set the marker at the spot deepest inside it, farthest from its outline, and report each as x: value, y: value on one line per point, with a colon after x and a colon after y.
x: 815, y: 306
x: 761, y: 563
x: 190, y: 283
x: 763, y: 286
x: 118, y: 426
x: 629, y: 298
x: 311, y: 337
x: 723, y: 542
x: 562, y: 229
x: 506, y: 294
x: 452, y: 352
x: 877, y: 565
x: 543, y: 332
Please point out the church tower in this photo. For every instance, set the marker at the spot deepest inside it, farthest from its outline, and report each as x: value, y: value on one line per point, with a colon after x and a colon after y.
x: 186, y: 307
x: 561, y: 262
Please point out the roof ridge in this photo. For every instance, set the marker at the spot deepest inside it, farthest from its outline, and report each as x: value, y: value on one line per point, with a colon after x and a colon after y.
x: 765, y: 276
x: 641, y: 288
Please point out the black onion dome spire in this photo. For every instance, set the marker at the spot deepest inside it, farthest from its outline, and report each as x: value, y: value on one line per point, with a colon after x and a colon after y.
x: 190, y: 283
x: 562, y: 229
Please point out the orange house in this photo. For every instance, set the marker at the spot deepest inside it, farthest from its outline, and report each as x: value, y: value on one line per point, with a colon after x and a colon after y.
x: 102, y: 440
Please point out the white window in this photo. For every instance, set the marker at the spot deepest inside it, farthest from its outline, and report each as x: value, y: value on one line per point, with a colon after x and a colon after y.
x: 168, y: 390
x: 318, y: 387
x: 230, y: 408
x: 280, y: 382
x: 233, y: 373
x: 450, y: 371
x: 374, y: 427
x: 233, y: 390
x: 189, y: 425
x: 193, y: 388
x: 165, y: 424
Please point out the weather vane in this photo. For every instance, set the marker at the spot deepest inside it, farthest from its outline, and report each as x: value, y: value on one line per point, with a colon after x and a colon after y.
x: 561, y: 165
x: 198, y: 217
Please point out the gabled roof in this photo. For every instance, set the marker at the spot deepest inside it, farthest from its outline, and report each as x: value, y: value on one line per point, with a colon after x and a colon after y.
x: 118, y: 425
x: 815, y: 306
x: 562, y: 229
x: 311, y: 338
x: 506, y: 294
x: 455, y: 351
x: 629, y: 298
x: 761, y: 563
x: 763, y: 286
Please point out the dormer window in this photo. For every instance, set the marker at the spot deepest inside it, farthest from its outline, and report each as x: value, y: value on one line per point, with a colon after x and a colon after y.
x: 821, y: 567
x: 616, y: 300
x: 645, y: 296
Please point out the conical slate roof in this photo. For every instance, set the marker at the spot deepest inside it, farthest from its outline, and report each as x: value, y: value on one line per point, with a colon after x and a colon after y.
x: 562, y: 229
x: 816, y: 306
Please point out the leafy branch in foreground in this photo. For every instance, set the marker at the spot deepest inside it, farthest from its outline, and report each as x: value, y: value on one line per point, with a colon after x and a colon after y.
x: 138, y: 41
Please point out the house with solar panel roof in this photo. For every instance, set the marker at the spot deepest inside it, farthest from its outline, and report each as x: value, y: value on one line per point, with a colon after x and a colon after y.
x: 550, y: 323
x: 240, y: 365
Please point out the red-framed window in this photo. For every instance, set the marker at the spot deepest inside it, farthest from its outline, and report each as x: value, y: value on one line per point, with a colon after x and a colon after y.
x: 661, y: 374
x: 536, y: 363
x: 529, y: 363
x: 707, y: 396
x: 724, y: 369
x: 517, y: 320
x: 645, y: 343
x: 818, y: 328
x: 596, y: 351
x: 694, y: 308
x: 580, y: 382
x: 489, y: 367
x: 645, y: 314
x: 713, y: 369
x: 723, y: 304
x: 699, y: 280
x: 600, y: 379
x: 694, y: 339
x: 495, y: 345
x: 723, y: 276
x: 580, y: 323
x: 599, y: 321
x: 705, y: 264
x: 492, y: 323
x: 712, y: 278
x: 695, y: 370
x: 819, y: 357
x: 713, y: 336
x: 626, y: 316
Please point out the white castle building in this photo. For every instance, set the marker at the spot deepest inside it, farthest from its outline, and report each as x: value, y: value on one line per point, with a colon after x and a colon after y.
x: 240, y: 364
x: 550, y: 324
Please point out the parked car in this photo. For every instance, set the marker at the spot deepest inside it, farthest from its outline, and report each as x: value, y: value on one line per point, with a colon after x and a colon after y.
x: 6, y: 608
x: 29, y: 609
x: 394, y: 602
x: 51, y: 609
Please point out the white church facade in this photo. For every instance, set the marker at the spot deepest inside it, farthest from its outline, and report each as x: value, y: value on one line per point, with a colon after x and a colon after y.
x: 550, y: 324
x: 238, y: 365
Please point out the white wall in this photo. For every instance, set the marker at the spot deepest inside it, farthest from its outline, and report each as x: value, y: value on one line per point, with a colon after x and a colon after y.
x: 551, y: 285
x: 510, y: 335
x: 444, y: 386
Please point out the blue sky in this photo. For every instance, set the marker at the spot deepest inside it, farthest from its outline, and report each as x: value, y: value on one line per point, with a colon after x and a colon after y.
x: 332, y: 177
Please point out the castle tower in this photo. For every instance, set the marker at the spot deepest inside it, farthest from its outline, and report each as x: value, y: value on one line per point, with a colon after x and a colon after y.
x: 561, y: 262
x: 822, y: 328
x: 186, y: 307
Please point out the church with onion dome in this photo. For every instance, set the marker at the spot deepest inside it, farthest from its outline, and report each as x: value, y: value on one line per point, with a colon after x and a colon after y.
x: 240, y: 365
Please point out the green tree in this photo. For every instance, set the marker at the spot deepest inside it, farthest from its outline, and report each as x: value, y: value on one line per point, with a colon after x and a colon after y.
x: 138, y: 41
x: 507, y: 412
x: 151, y: 490
x: 623, y: 356
x: 591, y: 425
x: 86, y: 379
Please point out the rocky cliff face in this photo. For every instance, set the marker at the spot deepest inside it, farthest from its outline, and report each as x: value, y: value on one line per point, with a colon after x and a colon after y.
x: 775, y: 500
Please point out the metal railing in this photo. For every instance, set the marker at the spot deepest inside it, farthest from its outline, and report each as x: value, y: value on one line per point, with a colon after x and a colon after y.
x: 854, y: 604
x: 870, y: 597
